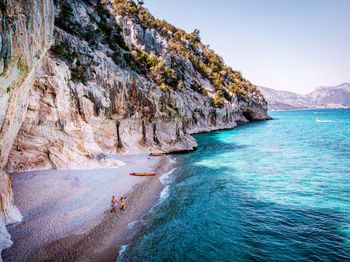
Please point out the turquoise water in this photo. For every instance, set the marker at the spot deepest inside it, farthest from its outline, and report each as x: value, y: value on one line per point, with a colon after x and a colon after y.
x: 267, y: 191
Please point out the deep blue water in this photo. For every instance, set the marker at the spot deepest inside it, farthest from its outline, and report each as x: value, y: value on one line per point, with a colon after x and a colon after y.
x: 268, y: 191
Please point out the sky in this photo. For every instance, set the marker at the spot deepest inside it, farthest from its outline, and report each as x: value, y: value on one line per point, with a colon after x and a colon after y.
x: 293, y: 45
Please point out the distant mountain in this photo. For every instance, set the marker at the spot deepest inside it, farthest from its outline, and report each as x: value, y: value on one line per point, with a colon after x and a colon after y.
x: 335, y: 96
x: 284, y: 100
x: 322, y: 97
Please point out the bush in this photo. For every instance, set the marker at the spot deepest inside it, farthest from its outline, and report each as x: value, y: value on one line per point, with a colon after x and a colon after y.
x: 225, y: 80
x: 129, y: 61
x: 180, y: 84
x: 60, y: 50
x: 64, y: 51
x: 151, y: 61
x: 218, y: 99
x: 126, y: 7
x: 80, y: 74
x: 163, y: 86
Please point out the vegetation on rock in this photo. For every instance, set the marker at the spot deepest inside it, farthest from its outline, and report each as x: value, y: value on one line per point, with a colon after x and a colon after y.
x: 165, y: 70
x: 226, y: 81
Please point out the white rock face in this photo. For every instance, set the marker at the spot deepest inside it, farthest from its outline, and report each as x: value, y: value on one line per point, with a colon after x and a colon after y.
x: 86, y: 108
x: 53, y: 134
x: 25, y: 35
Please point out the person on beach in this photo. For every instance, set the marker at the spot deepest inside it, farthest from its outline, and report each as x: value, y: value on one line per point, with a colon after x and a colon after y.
x: 113, y: 204
x: 122, y: 203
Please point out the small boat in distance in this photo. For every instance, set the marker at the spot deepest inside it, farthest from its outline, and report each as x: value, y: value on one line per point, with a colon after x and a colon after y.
x: 157, y: 154
x: 323, y: 121
x: 143, y: 174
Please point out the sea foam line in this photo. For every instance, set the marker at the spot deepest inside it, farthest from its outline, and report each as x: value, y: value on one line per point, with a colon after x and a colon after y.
x: 122, y: 251
x: 165, y: 179
x: 164, y: 194
x: 132, y: 224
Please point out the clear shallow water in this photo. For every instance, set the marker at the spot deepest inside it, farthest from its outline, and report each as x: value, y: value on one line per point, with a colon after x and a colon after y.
x: 268, y: 191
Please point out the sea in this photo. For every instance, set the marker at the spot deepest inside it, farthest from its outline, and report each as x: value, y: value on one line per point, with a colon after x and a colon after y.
x: 275, y: 190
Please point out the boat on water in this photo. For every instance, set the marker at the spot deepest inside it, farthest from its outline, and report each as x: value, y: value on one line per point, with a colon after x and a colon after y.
x: 323, y: 121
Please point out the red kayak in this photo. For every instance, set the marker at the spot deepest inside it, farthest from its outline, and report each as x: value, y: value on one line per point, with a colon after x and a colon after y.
x: 143, y: 174
x: 157, y: 154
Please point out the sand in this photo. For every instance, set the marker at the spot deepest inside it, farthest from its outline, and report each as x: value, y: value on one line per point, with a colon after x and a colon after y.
x: 67, y: 213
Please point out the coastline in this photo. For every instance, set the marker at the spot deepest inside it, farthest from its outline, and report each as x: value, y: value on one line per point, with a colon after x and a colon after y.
x: 113, y: 232
x: 105, y: 233
x: 309, y: 108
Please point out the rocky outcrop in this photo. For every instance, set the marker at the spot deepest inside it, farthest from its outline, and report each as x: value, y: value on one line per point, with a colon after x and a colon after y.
x: 87, y: 105
x: 25, y: 34
x: 115, y: 81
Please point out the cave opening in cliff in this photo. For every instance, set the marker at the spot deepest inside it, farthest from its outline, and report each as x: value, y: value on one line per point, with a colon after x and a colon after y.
x: 248, y: 115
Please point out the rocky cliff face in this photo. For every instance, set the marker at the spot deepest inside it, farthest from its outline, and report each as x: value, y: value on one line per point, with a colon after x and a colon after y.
x: 92, y: 96
x: 25, y: 35
x: 115, y: 80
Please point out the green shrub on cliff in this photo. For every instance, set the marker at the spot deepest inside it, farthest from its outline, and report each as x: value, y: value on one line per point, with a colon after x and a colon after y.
x: 79, y: 73
x: 184, y: 47
x: 129, y: 62
x: 150, y: 60
x: 126, y: 7
x: 152, y: 66
x: 64, y: 51
x: 60, y: 51
x: 218, y: 99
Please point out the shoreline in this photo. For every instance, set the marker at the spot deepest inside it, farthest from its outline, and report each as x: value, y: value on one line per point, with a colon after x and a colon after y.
x: 308, y: 109
x: 113, y: 232
x: 105, y: 234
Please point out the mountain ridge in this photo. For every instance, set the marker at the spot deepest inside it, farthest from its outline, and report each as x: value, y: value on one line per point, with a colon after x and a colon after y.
x: 337, y: 96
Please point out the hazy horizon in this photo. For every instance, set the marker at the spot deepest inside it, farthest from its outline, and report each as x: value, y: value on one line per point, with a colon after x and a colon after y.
x: 285, y: 45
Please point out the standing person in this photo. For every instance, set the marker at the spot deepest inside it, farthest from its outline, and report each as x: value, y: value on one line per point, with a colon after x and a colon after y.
x: 113, y: 204
x: 122, y: 203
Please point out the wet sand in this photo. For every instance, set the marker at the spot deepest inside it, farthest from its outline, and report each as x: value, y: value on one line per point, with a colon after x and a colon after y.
x: 67, y: 213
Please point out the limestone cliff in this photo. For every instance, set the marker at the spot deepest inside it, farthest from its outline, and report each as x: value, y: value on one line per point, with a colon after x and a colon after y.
x: 113, y: 83
x: 115, y: 80
x: 25, y: 35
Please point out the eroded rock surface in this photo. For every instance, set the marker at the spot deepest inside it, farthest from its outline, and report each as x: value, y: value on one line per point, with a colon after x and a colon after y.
x: 87, y: 105
x: 25, y: 35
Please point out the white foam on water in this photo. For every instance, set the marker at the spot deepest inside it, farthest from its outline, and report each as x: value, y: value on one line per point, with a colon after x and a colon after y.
x: 121, y: 252
x: 164, y: 194
x: 132, y: 224
x: 165, y: 179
